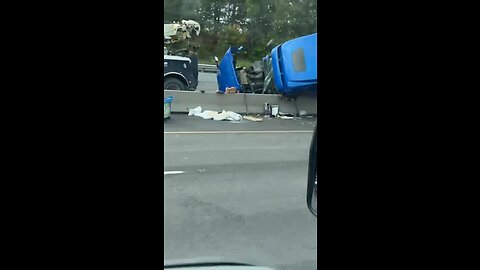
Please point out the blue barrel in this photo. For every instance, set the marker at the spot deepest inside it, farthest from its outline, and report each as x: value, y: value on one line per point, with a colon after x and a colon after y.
x: 167, y: 107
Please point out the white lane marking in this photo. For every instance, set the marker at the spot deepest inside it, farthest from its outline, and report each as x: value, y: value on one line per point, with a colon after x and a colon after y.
x: 173, y: 172
x: 238, y: 132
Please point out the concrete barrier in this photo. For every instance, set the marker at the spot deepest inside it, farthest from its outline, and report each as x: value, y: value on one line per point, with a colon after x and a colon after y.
x: 183, y: 101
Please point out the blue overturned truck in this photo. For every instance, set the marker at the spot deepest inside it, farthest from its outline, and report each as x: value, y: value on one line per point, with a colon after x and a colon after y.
x: 290, y: 69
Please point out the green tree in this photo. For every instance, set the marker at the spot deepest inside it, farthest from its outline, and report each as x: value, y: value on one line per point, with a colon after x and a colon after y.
x: 250, y: 23
x: 181, y: 10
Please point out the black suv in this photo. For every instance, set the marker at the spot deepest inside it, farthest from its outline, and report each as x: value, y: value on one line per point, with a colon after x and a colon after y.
x: 178, y: 73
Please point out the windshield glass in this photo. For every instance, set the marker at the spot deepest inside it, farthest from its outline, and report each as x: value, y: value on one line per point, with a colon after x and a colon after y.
x: 236, y: 151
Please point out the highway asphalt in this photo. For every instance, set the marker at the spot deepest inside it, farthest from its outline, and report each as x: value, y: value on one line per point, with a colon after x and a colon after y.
x: 207, y: 82
x: 238, y: 190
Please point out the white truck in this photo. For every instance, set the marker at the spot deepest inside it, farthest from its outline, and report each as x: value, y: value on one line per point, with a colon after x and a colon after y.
x: 180, y: 68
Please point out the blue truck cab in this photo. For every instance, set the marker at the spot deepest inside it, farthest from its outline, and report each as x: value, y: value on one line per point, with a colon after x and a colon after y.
x: 226, y: 76
x: 293, y: 65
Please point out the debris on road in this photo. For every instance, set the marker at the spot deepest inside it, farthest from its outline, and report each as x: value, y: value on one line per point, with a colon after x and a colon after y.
x: 267, y: 109
x: 205, y: 114
x: 224, y: 115
x: 231, y: 90
x: 235, y: 117
x: 197, y: 110
x: 254, y: 119
x: 275, y: 110
x: 229, y: 115
x: 286, y: 114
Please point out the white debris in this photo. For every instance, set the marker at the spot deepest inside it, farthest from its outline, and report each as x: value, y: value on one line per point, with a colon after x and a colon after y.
x: 229, y: 115
x: 274, y: 110
x: 224, y: 115
x: 232, y: 116
x: 195, y: 111
x: 207, y: 114
x: 221, y: 116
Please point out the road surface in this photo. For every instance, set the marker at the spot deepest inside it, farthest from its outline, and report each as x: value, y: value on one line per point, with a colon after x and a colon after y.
x: 207, y: 82
x: 238, y: 190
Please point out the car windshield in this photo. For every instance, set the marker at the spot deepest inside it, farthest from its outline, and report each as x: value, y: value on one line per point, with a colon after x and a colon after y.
x: 240, y: 91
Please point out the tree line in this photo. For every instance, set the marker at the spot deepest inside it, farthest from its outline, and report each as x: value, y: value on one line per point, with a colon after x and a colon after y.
x: 247, y: 23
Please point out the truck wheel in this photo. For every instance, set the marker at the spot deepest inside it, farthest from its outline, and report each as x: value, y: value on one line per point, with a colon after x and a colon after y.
x: 174, y: 84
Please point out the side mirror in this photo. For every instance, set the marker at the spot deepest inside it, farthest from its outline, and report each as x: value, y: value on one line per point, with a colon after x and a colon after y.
x: 313, y: 181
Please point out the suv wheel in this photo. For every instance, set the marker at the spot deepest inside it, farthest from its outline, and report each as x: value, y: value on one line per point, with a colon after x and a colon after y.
x: 174, y: 84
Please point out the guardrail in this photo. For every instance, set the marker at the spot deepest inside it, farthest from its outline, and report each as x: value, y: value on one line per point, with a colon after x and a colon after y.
x: 207, y: 68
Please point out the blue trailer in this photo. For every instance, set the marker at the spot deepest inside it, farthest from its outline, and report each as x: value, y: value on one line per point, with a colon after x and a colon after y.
x: 289, y: 69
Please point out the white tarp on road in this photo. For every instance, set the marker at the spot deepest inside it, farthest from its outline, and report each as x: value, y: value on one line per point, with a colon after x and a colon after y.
x: 224, y: 115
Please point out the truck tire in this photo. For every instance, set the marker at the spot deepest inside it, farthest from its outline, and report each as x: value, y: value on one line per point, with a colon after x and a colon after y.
x: 174, y: 84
